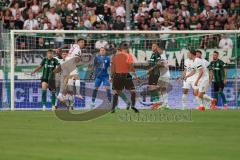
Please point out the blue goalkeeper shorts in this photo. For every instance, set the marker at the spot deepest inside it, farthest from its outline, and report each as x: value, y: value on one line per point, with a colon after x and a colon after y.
x: 100, y: 80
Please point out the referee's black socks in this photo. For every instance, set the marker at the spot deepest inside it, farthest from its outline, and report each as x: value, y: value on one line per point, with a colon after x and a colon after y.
x: 133, y: 98
x: 115, y: 102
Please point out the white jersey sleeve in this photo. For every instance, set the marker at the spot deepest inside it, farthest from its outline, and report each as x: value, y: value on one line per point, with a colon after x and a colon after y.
x: 197, y: 64
x: 201, y: 63
x: 166, y: 70
x: 74, y: 51
x: 188, y: 66
x: 206, y: 63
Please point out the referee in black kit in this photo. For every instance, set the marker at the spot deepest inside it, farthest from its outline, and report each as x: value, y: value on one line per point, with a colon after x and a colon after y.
x: 121, y: 67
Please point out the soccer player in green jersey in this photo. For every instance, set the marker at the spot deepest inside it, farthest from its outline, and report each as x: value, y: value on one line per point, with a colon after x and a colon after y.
x: 154, y: 72
x: 218, y: 73
x: 48, y: 78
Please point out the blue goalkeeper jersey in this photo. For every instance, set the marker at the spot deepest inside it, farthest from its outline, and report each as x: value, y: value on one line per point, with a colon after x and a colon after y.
x: 101, y: 64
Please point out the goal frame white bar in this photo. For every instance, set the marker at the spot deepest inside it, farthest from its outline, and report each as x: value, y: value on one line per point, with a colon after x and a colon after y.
x: 13, y: 32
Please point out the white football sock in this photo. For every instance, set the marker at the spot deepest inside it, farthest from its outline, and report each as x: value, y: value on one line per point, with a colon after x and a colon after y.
x: 184, y: 97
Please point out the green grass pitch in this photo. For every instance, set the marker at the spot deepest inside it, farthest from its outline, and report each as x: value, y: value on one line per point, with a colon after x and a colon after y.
x: 37, y: 135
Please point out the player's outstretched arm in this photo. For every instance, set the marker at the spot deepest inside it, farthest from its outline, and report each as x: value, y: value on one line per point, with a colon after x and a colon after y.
x: 36, y: 69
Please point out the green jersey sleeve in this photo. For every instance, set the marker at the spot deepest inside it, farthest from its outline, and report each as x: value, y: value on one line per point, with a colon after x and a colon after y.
x: 223, y: 65
x: 43, y: 62
x: 56, y: 62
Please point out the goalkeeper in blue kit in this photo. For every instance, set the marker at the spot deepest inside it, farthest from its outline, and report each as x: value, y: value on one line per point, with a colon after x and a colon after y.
x: 101, y: 66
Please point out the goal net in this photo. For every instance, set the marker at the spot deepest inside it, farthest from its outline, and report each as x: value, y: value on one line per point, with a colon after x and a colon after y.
x: 21, y: 90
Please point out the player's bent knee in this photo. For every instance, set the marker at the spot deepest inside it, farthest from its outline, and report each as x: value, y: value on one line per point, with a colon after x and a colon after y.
x: 185, y: 91
x: 200, y: 94
x: 44, y: 85
x: 70, y: 82
x: 195, y: 92
x: 77, y: 83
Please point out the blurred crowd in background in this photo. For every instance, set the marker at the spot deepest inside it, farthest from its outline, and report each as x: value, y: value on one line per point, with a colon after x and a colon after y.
x: 111, y: 15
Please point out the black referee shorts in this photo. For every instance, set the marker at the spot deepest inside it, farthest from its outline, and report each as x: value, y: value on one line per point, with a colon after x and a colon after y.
x: 218, y: 86
x: 123, y: 81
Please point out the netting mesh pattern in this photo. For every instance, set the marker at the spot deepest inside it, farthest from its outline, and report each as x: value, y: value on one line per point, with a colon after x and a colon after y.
x: 30, y: 49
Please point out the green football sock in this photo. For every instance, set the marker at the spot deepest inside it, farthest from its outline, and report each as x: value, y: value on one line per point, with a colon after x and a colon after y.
x: 156, y: 96
x: 151, y: 96
x: 53, y: 98
x: 223, y: 97
x: 44, y: 97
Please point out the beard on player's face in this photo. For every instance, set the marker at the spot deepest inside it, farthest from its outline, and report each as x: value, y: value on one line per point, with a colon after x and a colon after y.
x: 154, y: 48
x: 215, y: 57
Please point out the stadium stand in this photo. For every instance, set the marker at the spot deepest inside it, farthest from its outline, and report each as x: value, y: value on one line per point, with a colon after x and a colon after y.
x: 145, y: 15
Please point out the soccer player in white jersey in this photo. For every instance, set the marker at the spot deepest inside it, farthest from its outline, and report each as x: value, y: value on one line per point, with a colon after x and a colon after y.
x: 201, y: 78
x: 202, y: 93
x: 164, y: 79
x: 67, y: 82
x: 68, y: 69
x: 189, y: 83
x: 75, y: 52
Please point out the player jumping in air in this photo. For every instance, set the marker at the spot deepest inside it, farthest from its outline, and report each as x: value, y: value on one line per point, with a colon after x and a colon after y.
x: 218, y: 73
x: 48, y: 79
x: 101, y: 66
x: 69, y: 70
x: 76, y: 52
x: 67, y: 86
x: 201, y: 78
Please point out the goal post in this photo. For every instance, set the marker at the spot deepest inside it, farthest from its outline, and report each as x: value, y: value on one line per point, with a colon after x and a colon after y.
x: 25, y: 47
x: 12, y: 68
